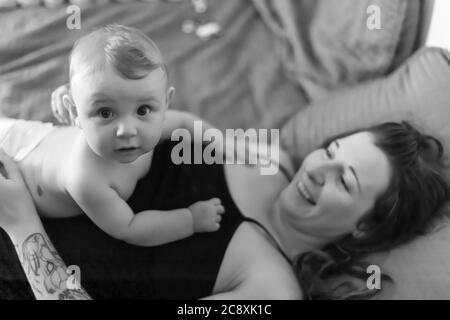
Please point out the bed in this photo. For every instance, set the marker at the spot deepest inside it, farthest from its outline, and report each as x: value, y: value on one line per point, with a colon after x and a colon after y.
x: 310, y: 68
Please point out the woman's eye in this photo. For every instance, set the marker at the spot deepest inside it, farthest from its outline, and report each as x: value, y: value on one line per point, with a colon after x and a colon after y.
x: 328, y: 153
x: 345, y: 184
x: 144, y: 110
x: 105, y: 113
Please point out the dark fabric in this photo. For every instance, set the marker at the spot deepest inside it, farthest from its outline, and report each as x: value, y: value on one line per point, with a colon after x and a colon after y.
x: 186, y: 269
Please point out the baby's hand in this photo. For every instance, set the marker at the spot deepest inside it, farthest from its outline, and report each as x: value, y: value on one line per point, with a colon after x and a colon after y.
x: 207, y: 215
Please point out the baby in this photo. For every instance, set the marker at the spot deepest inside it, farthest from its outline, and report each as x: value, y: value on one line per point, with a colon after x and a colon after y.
x: 118, y: 101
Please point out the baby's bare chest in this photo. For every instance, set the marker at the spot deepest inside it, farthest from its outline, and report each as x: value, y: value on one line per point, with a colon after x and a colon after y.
x: 49, y: 170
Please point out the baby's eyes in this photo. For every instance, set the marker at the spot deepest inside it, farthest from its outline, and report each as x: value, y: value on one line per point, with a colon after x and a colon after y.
x: 144, y: 110
x: 107, y: 113
x: 104, y: 113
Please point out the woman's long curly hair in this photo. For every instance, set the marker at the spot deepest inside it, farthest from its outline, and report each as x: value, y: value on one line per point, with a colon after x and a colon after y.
x: 412, y: 201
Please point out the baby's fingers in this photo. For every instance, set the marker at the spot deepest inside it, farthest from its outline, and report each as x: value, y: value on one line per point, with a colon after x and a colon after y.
x: 220, y: 209
x: 215, y: 201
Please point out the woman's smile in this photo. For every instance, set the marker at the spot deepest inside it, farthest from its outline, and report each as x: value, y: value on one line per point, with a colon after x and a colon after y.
x: 305, y: 193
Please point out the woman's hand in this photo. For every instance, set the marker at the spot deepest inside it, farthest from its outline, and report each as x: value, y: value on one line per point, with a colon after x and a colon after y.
x: 19, y: 218
x: 16, y: 204
x: 59, y: 110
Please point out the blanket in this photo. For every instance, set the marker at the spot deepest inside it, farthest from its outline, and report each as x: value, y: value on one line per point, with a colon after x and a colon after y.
x: 270, y: 59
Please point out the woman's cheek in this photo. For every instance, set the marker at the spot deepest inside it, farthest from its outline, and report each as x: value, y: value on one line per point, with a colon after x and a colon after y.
x: 330, y: 200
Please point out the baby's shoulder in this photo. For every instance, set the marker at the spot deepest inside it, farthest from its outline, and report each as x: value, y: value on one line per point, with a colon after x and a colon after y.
x: 81, y: 169
x: 84, y: 174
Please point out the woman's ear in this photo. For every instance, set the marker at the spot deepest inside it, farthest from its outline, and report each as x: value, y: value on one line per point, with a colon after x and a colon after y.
x: 69, y: 104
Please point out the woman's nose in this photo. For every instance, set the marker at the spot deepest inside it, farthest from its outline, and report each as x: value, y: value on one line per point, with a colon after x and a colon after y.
x: 126, y: 129
x: 318, y: 174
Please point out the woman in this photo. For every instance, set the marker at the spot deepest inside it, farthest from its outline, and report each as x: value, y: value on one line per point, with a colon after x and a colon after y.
x: 361, y: 193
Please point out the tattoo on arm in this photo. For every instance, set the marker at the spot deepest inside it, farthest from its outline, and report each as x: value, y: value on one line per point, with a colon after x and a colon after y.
x: 45, y: 270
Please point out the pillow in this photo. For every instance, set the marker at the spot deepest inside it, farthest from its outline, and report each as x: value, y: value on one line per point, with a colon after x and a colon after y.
x: 419, y: 92
x: 420, y: 269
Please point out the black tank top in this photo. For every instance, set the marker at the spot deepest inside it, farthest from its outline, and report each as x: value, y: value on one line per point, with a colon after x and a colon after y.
x: 113, y: 269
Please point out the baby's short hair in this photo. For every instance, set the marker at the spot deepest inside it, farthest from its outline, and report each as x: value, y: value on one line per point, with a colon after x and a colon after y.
x: 128, y: 50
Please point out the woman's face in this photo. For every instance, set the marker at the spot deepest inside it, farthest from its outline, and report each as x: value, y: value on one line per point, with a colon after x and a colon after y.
x: 335, y: 187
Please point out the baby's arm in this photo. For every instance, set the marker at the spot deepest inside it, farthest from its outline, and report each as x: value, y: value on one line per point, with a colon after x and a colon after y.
x: 147, y: 228
x: 176, y: 119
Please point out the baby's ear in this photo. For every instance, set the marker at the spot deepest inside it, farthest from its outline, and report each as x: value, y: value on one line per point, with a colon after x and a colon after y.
x: 69, y: 104
x: 170, y: 94
x: 358, y: 234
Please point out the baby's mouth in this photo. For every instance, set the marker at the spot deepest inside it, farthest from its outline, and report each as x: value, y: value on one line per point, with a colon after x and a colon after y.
x: 127, y: 149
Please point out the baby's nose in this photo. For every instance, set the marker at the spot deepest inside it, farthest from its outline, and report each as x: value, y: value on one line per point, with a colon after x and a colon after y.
x: 125, y: 130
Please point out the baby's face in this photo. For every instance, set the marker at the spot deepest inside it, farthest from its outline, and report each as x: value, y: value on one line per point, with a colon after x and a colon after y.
x: 121, y: 119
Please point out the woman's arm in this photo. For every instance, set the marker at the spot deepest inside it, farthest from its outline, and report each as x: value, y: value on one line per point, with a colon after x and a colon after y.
x: 256, y: 288
x: 278, y: 157
x: 46, y: 272
x: 262, y: 276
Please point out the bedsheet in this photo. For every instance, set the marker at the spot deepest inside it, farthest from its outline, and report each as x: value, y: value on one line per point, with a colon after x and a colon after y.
x: 270, y: 59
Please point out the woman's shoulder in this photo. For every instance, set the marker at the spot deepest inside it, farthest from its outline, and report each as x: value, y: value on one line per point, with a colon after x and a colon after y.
x: 274, y: 283
x: 262, y: 269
